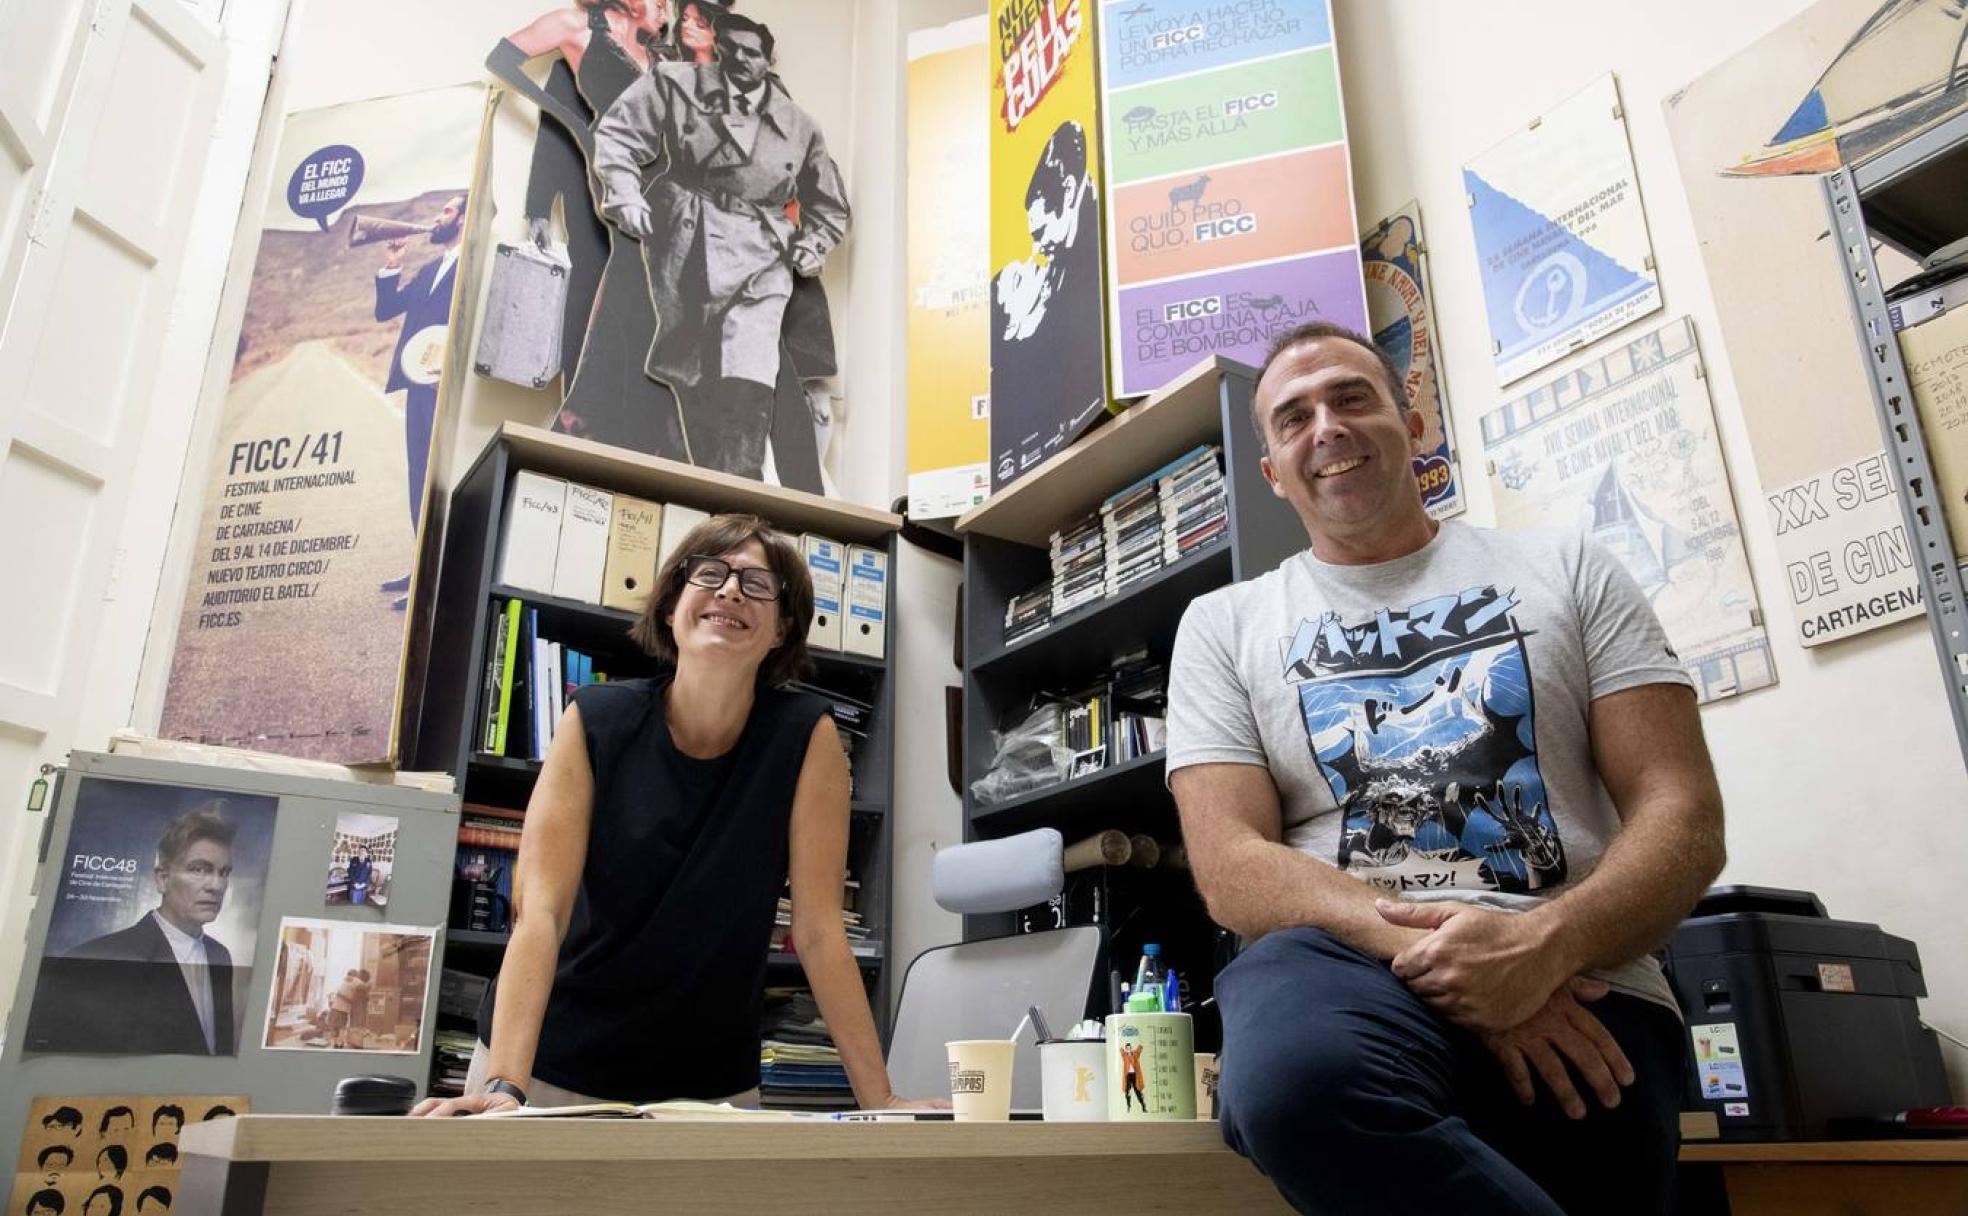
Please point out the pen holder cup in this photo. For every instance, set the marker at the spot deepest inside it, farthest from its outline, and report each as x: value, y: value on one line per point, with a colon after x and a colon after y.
x: 1151, y: 1067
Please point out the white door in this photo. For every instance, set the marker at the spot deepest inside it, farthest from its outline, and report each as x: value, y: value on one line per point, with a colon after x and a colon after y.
x: 106, y: 114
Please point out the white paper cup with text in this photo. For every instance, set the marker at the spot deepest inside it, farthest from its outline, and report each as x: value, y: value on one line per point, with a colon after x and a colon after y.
x: 1151, y: 1066
x: 1073, y: 1076
x: 980, y: 1079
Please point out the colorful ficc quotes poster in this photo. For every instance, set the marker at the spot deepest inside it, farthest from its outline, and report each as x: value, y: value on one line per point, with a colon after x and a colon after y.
x: 1230, y: 205
x: 949, y: 269
x: 1048, y: 339
x: 1395, y: 263
x: 297, y: 618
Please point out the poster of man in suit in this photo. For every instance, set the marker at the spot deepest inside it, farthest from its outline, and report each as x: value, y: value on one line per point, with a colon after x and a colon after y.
x: 747, y: 200
x: 422, y: 299
x: 641, y: 311
x: 152, y: 939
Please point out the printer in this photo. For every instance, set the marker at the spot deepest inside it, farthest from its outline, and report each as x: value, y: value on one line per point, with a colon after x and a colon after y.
x: 1795, y: 1019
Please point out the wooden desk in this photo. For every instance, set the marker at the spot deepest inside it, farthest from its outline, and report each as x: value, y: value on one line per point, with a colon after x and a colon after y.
x: 317, y: 1166
x: 1841, y: 1177
x: 314, y: 1166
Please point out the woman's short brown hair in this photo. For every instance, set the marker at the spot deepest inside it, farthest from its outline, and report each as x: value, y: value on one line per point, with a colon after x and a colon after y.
x: 715, y: 537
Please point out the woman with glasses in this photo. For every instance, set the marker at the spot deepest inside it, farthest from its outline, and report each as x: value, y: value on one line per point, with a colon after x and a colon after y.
x: 668, y: 815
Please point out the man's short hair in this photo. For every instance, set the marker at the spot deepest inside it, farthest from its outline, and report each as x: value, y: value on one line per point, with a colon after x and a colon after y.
x: 64, y: 1116
x: 112, y: 1193
x: 165, y: 1153
x: 67, y: 1154
x: 1315, y: 331
x: 734, y: 23
x: 48, y: 1200
x: 221, y: 1111
x: 159, y: 1195
x: 170, y: 1110
x: 113, y: 1114
x: 205, y: 821
x: 1063, y: 163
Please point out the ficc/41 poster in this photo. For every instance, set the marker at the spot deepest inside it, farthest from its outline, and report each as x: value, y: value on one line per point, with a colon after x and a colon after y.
x: 296, y: 623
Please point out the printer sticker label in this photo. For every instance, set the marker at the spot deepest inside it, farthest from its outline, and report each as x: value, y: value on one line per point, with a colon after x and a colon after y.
x: 1719, y: 1063
x: 1836, y: 977
x: 1736, y: 1110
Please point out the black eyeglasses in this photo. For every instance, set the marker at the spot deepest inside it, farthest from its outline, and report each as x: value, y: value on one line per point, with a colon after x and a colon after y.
x: 710, y: 573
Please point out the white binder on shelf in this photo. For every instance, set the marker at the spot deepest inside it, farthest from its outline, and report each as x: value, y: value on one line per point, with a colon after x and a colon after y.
x: 825, y: 560
x: 864, y: 628
x: 530, y: 542
x: 583, y: 543
x: 677, y: 523
x: 635, y: 537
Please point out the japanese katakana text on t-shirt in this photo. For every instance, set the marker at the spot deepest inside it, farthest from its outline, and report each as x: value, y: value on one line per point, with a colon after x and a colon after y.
x: 1425, y: 719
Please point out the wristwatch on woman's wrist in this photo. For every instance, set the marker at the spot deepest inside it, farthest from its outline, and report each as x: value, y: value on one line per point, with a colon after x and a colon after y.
x: 499, y: 1085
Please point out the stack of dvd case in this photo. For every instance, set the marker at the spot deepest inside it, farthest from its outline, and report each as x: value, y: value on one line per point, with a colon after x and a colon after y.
x: 1028, y: 612
x: 1132, y: 523
x: 1079, y: 569
x: 1195, y: 506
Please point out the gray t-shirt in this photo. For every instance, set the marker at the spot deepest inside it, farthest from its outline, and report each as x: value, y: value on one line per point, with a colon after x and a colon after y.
x: 1425, y: 719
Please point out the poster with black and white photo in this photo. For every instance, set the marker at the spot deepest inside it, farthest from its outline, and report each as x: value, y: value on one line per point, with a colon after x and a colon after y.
x: 151, y: 943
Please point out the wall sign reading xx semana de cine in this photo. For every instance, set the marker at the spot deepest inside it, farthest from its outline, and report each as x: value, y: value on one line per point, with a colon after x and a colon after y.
x: 1847, y: 564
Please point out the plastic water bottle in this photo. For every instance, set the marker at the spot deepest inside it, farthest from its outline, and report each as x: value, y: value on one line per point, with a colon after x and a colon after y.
x: 1149, y: 977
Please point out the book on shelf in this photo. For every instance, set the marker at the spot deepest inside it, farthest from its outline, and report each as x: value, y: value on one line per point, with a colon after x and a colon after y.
x: 528, y: 681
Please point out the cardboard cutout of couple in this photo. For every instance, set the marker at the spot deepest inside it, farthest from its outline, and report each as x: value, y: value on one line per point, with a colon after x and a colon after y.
x: 700, y: 204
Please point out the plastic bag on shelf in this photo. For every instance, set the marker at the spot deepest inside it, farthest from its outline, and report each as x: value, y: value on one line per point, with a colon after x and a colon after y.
x: 1030, y: 755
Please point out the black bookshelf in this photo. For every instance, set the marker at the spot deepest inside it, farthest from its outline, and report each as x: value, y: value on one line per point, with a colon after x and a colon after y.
x: 1006, y: 552
x: 446, y: 734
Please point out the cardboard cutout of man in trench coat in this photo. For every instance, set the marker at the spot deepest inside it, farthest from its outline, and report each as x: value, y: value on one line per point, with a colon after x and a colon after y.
x: 720, y: 241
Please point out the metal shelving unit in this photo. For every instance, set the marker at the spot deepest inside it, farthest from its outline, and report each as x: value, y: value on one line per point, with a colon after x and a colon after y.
x: 1914, y: 197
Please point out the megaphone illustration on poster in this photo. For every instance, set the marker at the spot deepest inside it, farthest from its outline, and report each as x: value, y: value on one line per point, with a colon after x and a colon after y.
x: 368, y: 229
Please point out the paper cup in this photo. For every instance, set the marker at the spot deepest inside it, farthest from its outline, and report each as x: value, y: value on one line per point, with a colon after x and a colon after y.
x: 980, y: 1079
x: 1206, y: 1085
x: 1073, y: 1076
x: 1151, y: 1067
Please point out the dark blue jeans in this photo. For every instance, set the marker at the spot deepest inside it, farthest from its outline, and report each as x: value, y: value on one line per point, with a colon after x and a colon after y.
x: 1352, y: 1096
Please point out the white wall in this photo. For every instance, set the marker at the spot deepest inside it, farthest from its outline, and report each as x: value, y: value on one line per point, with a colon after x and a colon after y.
x: 251, y: 30
x: 843, y: 60
x: 1844, y: 779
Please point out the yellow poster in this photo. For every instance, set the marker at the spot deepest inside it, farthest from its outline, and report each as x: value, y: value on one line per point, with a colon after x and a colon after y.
x: 949, y: 270
x: 1048, y: 302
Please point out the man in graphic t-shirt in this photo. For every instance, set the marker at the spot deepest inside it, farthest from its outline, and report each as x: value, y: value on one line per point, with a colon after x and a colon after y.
x: 1450, y: 786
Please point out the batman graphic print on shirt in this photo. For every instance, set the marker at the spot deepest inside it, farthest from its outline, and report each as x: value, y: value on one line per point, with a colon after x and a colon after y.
x: 1421, y: 720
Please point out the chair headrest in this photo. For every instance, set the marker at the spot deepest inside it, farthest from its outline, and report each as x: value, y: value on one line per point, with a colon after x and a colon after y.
x: 1000, y: 875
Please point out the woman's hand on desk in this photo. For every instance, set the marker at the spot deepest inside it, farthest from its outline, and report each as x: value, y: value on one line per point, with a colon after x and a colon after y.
x: 899, y: 1103
x: 475, y: 1104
